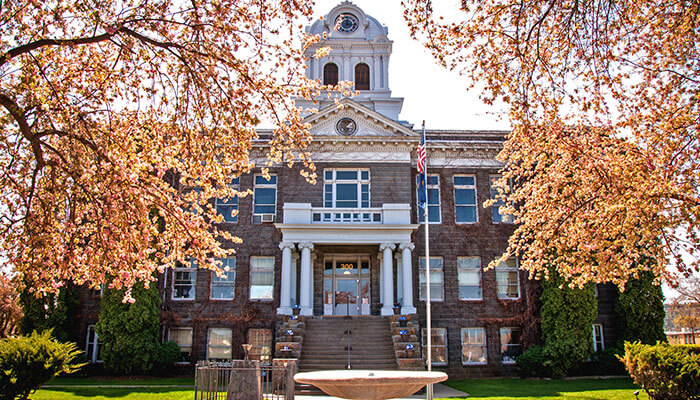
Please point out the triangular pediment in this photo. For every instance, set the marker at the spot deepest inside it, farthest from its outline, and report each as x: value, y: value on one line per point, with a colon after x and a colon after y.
x: 350, y: 119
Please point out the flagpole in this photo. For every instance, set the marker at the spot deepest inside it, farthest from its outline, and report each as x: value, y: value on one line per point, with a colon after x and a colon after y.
x: 429, y: 357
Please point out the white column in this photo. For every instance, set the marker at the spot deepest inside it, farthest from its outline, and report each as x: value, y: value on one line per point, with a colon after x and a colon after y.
x: 376, y: 73
x: 295, y: 264
x: 387, y: 308
x: 285, y: 279
x: 381, y: 278
x: 399, y: 278
x: 305, y: 279
x: 406, y: 266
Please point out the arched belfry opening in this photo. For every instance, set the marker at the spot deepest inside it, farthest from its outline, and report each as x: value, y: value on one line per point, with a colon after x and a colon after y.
x: 362, y: 76
x: 330, y: 74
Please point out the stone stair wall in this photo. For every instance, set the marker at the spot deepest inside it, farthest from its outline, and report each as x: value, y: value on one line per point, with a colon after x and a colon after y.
x: 405, y: 333
x: 289, y: 336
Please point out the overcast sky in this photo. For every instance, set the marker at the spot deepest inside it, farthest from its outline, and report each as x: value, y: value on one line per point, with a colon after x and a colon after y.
x: 430, y: 92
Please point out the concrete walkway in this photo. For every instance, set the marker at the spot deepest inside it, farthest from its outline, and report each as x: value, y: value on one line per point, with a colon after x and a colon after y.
x: 440, y: 391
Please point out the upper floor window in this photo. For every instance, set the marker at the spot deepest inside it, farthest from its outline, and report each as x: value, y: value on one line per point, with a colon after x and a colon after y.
x: 507, y: 279
x: 469, y: 277
x: 223, y: 287
x: 598, y: 343
x: 434, y: 214
x: 184, y: 279
x: 228, y: 207
x: 330, y: 74
x: 465, y: 198
x: 362, y: 76
x: 497, y: 216
x: 265, y: 199
x: 436, y: 278
x: 262, y: 277
x: 346, y: 188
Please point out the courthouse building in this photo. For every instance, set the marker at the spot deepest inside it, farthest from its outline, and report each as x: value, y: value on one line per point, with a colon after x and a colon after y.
x: 353, y: 243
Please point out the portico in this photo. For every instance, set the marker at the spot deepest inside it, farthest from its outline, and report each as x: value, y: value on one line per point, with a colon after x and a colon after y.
x: 346, y: 276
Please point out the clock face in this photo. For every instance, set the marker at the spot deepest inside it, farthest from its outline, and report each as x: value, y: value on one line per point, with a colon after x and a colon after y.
x: 346, y: 23
x: 346, y: 126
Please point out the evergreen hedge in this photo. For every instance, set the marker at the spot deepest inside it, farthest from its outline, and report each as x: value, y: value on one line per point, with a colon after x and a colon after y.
x: 640, y: 311
x: 665, y: 372
x: 28, y: 362
x: 129, y: 332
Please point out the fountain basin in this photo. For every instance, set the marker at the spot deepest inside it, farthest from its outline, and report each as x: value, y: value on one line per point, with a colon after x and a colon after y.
x: 369, y: 385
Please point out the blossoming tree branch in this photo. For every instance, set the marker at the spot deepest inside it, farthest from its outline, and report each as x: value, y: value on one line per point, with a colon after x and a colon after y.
x: 604, y: 154
x: 121, y: 120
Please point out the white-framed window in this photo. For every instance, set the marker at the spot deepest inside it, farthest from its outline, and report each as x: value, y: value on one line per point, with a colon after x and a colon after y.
x: 465, y: 199
x: 261, y: 341
x: 184, y: 281
x: 223, y: 287
x: 598, y: 343
x: 264, y: 197
x: 496, y: 216
x: 262, y: 277
x: 93, y: 346
x: 469, y: 278
x: 346, y: 188
x: 183, y: 337
x: 228, y: 207
x: 438, y: 345
x: 473, y: 345
x: 434, y: 213
x: 436, y: 279
x: 219, y: 344
x: 507, y: 279
x: 510, y: 345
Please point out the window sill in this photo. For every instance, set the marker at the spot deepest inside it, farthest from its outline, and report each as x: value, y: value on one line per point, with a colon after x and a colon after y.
x: 231, y: 299
x: 467, y: 223
x: 433, y: 300
x: 469, y: 364
x: 261, y: 300
x: 176, y: 299
x: 479, y: 300
x: 508, y: 362
x: 509, y: 298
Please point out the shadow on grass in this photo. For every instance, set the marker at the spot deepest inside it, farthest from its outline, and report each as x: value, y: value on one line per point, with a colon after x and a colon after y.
x: 79, y: 393
x: 531, y: 388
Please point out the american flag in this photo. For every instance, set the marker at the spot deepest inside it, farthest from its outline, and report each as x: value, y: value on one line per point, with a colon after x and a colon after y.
x: 422, y: 190
x: 421, y: 152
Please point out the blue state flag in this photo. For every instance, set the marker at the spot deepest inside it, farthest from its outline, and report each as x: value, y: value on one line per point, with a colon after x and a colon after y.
x: 421, y: 190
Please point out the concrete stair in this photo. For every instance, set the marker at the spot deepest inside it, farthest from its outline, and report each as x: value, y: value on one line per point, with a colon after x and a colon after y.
x: 325, y: 345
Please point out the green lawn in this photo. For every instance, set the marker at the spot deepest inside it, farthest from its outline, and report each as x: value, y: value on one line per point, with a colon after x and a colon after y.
x: 524, y: 389
x: 478, y: 389
x: 113, y: 394
x: 74, y: 389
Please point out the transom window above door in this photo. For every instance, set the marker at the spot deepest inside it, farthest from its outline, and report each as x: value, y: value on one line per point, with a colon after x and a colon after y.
x: 346, y: 188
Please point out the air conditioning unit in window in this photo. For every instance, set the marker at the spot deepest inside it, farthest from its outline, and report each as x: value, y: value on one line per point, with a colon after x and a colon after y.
x: 267, y: 218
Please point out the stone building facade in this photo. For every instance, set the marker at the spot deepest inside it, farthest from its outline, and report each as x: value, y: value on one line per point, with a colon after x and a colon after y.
x: 353, y: 243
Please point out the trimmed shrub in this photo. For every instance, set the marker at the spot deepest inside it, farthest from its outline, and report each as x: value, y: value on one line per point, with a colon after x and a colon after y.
x: 167, y: 354
x: 665, y: 372
x: 532, y: 363
x: 640, y: 311
x: 129, y: 331
x: 28, y: 362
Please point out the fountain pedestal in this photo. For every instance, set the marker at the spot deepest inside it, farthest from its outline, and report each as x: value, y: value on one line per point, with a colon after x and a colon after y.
x: 369, y: 385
